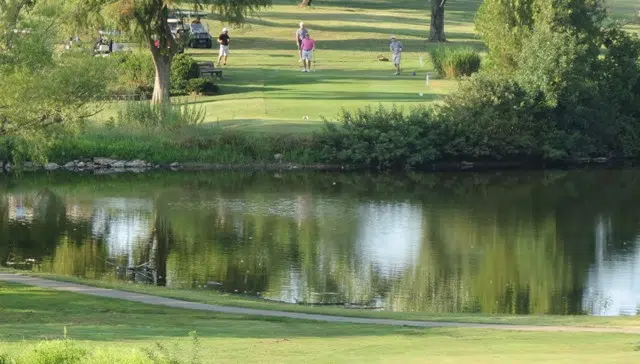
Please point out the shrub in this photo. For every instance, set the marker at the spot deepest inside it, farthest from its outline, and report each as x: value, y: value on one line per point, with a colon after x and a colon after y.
x: 492, y: 116
x: 136, y: 70
x: 183, y: 69
x: 455, y: 62
x: 201, y: 86
x: 55, y: 352
x: 381, y: 138
x: 142, y: 114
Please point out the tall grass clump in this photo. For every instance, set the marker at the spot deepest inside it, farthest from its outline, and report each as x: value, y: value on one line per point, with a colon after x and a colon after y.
x: 166, y: 116
x: 67, y: 351
x: 455, y: 62
x: 54, y: 352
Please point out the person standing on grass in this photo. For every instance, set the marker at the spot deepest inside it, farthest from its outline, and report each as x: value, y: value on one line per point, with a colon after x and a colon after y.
x: 396, y: 51
x: 307, y: 46
x: 224, y: 40
x: 301, y: 33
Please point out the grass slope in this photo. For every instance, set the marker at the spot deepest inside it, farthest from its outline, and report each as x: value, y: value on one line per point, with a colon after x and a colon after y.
x: 116, y: 327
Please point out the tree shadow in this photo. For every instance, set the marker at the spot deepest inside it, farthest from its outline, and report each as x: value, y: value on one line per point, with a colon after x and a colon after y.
x: 274, y: 80
x: 380, y: 44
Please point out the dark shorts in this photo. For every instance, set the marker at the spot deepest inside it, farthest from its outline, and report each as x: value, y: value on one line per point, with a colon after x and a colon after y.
x: 299, y: 43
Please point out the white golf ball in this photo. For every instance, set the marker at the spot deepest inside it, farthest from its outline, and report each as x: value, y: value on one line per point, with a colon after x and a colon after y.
x: 420, y: 93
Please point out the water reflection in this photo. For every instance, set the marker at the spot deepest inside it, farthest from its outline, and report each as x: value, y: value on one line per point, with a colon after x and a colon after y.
x: 540, y: 242
x: 613, y: 282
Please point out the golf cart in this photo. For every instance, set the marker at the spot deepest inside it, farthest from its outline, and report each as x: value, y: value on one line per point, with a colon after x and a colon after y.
x: 179, y: 32
x: 105, y: 44
x: 199, y: 36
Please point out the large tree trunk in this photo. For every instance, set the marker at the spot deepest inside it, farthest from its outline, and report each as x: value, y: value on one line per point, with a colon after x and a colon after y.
x: 162, y: 84
x: 436, y: 33
x: 155, y: 27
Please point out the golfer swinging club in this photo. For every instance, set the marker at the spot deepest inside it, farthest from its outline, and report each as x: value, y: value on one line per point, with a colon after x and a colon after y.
x: 396, y: 51
x: 307, y: 46
x: 301, y: 33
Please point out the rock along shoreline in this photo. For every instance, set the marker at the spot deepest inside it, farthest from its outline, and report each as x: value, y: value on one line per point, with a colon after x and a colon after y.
x: 100, y: 165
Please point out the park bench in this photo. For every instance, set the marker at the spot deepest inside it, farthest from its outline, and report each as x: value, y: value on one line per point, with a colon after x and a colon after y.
x: 207, y: 69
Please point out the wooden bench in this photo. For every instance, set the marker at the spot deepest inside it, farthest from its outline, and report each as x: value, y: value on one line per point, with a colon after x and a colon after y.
x: 207, y: 69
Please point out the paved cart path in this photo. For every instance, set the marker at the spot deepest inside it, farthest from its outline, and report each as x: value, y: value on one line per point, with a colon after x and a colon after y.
x: 169, y: 302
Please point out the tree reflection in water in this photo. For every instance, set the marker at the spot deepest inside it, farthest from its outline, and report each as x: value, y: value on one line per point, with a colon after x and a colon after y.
x: 523, y: 243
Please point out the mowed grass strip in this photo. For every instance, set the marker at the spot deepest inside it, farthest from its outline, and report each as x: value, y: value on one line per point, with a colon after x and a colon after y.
x: 215, y: 298
x: 29, y: 314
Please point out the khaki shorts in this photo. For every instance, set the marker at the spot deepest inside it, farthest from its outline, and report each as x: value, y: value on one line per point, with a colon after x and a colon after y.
x: 396, y: 58
x: 307, y: 55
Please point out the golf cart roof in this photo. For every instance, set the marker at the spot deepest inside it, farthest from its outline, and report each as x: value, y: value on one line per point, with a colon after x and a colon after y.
x: 109, y: 32
x: 198, y: 28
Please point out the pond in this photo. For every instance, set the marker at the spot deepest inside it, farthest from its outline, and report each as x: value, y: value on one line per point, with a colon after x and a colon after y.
x: 553, y: 242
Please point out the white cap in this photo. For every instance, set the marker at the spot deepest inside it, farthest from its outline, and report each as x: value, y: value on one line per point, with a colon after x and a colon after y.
x: 225, y: 30
x: 393, y: 37
x: 301, y: 23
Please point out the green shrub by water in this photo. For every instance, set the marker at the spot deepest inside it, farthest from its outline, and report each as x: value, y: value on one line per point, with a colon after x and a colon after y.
x: 455, y: 62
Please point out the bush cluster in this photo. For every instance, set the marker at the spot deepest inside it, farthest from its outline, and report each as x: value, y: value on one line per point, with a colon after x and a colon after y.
x: 564, y: 100
x: 136, y: 74
x: 201, y: 86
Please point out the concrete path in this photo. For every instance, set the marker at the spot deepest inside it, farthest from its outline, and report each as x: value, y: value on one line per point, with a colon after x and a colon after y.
x: 156, y: 300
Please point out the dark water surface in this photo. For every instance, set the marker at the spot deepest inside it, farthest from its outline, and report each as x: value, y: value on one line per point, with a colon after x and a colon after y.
x: 560, y: 242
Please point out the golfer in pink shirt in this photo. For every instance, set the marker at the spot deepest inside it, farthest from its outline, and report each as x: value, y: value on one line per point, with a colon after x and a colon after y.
x: 307, y: 45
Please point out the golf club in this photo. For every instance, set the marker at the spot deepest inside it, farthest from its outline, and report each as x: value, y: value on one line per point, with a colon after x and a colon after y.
x: 313, y: 57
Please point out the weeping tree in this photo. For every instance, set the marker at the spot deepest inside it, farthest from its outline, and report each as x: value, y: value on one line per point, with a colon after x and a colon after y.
x: 10, y: 12
x: 42, y: 94
x: 436, y: 30
x: 148, y: 20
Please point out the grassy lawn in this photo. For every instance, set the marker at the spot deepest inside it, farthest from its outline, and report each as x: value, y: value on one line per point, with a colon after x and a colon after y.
x: 210, y: 297
x: 264, y: 89
x: 114, y: 328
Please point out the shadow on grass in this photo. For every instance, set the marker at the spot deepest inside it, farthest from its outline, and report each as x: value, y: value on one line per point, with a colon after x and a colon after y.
x: 459, y: 10
x: 380, y: 44
x: 247, y: 78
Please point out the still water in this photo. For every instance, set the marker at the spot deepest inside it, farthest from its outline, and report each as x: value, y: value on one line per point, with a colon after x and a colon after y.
x: 560, y: 242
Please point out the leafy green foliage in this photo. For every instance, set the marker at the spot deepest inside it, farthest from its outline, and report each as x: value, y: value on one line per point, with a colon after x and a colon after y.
x: 42, y: 96
x: 54, y: 352
x: 135, y: 71
x: 66, y: 351
x: 380, y: 139
x: 201, y: 86
x: 183, y: 69
x: 505, y: 25
x: 455, y: 62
